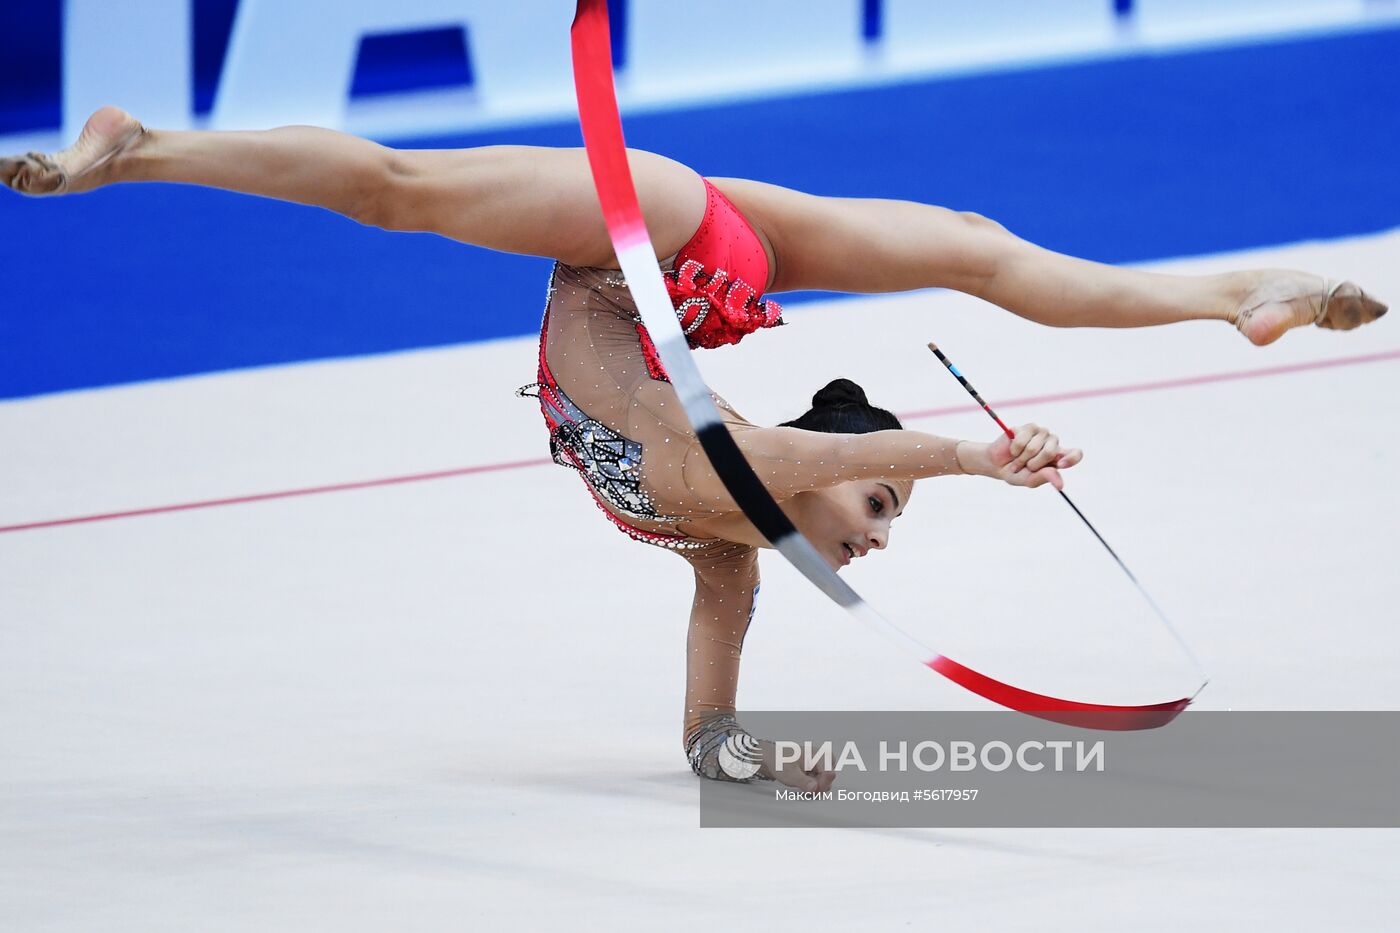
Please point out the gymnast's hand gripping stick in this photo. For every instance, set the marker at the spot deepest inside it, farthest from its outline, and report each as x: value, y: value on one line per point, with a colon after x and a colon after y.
x: 1181, y: 642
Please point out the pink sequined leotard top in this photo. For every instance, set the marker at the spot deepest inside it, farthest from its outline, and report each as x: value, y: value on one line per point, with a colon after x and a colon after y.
x: 718, y: 277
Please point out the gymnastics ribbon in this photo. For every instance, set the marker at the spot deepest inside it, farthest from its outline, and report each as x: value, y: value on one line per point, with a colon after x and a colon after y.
x: 607, y: 155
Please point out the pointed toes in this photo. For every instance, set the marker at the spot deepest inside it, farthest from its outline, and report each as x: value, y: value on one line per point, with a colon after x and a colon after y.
x: 1349, y: 306
x: 1374, y: 308
x: 16, y: 172
x: 32, y: 173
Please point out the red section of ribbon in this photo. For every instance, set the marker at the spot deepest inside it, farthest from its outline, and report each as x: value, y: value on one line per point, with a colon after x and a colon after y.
x: 607, y: 154
x: 602, y: 124
x: 1069, y: 712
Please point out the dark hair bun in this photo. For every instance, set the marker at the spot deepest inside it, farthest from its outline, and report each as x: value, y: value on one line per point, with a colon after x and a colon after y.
x: 839, y: 392
x: 842, y: 408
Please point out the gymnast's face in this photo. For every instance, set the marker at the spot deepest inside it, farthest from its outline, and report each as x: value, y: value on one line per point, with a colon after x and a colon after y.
x: 850, y: 520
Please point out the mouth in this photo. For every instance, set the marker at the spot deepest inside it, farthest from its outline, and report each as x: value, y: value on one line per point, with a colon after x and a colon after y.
x: 848, y: 552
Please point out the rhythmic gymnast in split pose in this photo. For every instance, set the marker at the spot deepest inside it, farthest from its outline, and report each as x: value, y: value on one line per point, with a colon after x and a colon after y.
x: 844, y: 470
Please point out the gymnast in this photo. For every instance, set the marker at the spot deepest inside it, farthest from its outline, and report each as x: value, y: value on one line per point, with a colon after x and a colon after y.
x: 843, y: 470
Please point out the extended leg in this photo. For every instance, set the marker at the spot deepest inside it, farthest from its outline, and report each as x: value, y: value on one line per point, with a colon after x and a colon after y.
x: 518, y: 199
x: 868, y: 245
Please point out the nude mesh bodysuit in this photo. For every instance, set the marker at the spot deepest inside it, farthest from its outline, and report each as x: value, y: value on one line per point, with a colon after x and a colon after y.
x: 615, y: 419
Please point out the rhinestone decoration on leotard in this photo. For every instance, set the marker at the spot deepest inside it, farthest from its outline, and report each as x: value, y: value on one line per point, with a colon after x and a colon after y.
x: 610, y: 463
x: 713, y: 307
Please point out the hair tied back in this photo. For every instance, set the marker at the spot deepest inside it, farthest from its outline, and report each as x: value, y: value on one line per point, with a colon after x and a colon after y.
x: 841, y: 407
x: 839, y: 392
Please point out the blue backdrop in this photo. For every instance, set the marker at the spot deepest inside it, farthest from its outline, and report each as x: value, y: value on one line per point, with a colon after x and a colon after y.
x: 30, y: 59
x: 1120, y: 160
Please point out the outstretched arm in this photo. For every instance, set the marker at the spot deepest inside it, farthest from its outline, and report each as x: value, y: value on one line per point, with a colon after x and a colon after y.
x: 791, y: 461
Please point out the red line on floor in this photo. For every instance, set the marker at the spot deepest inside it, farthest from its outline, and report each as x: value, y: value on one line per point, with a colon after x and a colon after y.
x: 1101, y: 392
x: 283, y: 494
x: 1180, y: 383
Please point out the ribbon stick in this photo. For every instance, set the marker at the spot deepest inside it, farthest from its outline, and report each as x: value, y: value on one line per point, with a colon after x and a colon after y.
x: 1157, y: 610
x: 607, y: 155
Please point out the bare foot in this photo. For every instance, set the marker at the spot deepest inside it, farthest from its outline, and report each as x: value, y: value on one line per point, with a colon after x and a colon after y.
x: 1283, y: 300
x: 83, y: 166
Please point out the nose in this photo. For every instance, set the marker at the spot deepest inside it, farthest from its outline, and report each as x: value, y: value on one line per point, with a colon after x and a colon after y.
x: 878, y: 540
